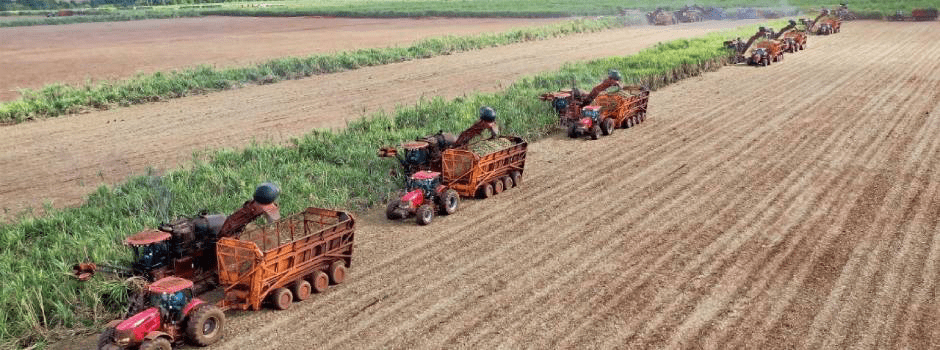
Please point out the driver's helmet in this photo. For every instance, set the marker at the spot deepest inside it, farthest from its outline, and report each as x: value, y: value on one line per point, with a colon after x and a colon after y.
x: 615, y: 75
x: 487, y: 114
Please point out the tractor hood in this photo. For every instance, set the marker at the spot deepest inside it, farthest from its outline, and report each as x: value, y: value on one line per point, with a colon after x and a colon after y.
x: 137, y: 326
x: 414, y: 198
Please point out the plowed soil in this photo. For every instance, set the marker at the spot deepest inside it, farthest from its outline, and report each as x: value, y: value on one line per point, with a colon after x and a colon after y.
x: 792, y: 206
x: 63, y: 159
x: 38, y: 55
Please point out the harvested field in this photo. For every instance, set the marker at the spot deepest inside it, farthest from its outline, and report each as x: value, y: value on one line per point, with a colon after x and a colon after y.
x: 108, y: 146
x: 39, y: 55
x: 731, y: 218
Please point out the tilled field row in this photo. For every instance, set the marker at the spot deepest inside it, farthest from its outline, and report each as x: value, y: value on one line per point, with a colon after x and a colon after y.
x: 792, y: 206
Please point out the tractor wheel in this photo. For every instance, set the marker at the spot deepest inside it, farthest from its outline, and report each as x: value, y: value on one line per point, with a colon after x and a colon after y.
x: 282, y: 298
x: 449, y: 202
x: 594, y: 132
x: 516, y: 177
x: 338, y: 269
x: 320, y: 282
x: 607, y: 126
x: 205, y: 325
x: 572, y: 131
x: 301, y: 289
x: 391, y: 211
x: 498, y: 187
x: 508, y: 183
x: 156, y: 344
x: 106, y: 337
x: 424, y: 214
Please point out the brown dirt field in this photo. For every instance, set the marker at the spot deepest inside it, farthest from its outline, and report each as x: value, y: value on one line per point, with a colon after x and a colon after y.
x: 38, y: 55
x: 63, y: 159
x: 792, y: 206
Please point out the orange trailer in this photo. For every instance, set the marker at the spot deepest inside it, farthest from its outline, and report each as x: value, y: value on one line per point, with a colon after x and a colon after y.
x: 286, y: 259
x: 484, y: 176
x: 626, y: 107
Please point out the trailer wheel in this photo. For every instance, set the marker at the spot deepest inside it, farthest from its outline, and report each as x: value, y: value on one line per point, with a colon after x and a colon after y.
x: 282, y: 298
x: 498, y: 186
x: 301, y: 289
x: 607, y: 126
x: 156, y: 344
x: 391, y: 211
x: 205, y: 325
x: 486, y: 191
x: 516, y: 177
x: 642, y: 117
x: 507, y: 183
x: 105, y: 338
x: 319, y: 281
x: 450, y: 202
x: 338, y: 271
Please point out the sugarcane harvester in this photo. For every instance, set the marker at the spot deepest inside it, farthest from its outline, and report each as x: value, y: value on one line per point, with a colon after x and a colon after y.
x: 570, y: 106
x: 791, y: 39
x: 424, y: 153
x: 186, y: 247
x: 740, y: 47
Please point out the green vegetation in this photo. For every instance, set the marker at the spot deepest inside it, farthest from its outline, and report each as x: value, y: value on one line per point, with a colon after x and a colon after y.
x: 57, y: 99
x: 322, y: 168
x: 143, y: 9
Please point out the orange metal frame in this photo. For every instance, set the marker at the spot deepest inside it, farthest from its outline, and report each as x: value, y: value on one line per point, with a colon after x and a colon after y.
x: 465, y: 171
x: 291, y: 249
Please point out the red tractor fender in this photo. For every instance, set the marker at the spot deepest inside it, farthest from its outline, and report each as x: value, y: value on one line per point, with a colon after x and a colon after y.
x: 193, y: 304
x: 157, y: 334
x: 440, y: 189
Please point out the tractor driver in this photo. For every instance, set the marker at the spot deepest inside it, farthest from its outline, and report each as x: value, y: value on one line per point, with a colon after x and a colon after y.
x: 174, y: 304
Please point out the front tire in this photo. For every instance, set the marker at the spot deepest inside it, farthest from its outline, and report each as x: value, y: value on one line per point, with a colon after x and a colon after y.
x: 105, y: 338
x: 156, y: 344
x: 391, y: 211
x: 424, y: 215
x: 572, y: 131
x: 205, y: 325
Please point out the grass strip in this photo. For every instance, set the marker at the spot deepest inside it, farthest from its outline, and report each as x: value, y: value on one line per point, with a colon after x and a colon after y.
x: 338, y: 169
x: 58, y: 99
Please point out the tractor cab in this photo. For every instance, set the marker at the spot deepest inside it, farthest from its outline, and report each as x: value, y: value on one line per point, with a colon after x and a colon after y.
x: 592, y: 113
x: 151, y: 249
x: 171, y: 296
x: 427, y: 181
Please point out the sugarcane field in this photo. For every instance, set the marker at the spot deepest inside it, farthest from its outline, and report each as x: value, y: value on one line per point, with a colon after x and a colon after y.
x: 428, y: 174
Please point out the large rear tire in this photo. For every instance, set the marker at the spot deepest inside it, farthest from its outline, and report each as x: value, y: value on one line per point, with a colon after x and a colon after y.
x: 282, y: 298
x: 607, y: 126
x: 156, y: 344
x: 205, y: 325
x: 391, y: 210
x: 424, y: 215
x: 450, y: 202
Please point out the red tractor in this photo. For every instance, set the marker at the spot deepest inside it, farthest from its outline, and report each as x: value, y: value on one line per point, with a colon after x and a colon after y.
x: 570, y: 103
x: 425, y: 194
x: 591, y: 124
x: 175, y: 314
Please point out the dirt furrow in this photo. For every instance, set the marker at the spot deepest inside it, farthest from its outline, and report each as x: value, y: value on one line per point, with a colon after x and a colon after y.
x: 107, y: 146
